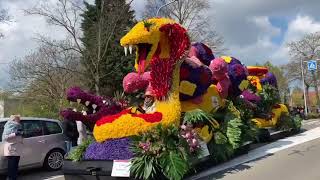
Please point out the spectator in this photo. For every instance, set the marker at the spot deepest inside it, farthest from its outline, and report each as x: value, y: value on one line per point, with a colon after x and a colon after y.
x: 12, y: 137
x: 71, y: 132
x: 81, y: 128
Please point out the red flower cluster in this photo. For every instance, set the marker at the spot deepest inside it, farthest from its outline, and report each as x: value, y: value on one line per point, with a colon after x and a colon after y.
x: 161, y: 76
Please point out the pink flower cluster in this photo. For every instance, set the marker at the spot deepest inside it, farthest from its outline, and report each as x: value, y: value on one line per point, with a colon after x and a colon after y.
x: 191, y: 136
x: 145, y: 146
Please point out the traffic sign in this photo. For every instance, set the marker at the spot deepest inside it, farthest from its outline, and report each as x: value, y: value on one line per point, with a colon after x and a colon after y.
x: 312, y: 65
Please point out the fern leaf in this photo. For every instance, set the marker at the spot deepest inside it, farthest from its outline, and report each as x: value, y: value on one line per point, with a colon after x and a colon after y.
x: 234, y: 132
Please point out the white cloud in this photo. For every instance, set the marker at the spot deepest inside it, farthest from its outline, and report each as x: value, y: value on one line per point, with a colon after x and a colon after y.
x: 265, y: 26
x: 19, y: 34
x: 297, y: 28
x: 248, y: 32
x: 301, y: 26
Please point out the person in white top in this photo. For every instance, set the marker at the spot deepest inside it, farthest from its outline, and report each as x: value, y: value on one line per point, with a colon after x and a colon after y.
x: 82, y: 132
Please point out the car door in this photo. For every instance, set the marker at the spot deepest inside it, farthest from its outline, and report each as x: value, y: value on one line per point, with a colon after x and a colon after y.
x: 33, y: 143
x: 53, y: 135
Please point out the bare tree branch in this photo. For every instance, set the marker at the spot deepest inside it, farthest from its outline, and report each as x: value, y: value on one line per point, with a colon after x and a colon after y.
x: 191, y: 14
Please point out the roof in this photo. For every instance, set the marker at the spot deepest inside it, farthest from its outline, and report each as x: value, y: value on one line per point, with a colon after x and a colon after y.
x: 31, y: 118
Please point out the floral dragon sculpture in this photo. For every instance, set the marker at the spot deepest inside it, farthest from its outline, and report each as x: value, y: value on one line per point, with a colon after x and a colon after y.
x: 181, y: 76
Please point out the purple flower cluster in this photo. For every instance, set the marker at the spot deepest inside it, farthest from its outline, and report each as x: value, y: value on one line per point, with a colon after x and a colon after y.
x: 202, y: 52
x: 271, y: 79
x: 249, y: 96
x: 116, y: 149
x: 237, y: 73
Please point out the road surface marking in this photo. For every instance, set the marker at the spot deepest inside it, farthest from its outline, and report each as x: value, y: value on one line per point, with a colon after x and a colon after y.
x: 55, y: 177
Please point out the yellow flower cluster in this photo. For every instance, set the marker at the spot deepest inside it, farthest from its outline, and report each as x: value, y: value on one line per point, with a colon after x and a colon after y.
x: 244, y: 85
x: 211, y: 101
x: 227, y: 59
x: 187, y: 87
x: 126, y: 125
x: 204, y: 133
x: 255, y: 80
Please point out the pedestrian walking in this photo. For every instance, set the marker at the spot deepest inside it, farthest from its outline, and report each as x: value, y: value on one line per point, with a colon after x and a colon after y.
x: 12, y: 138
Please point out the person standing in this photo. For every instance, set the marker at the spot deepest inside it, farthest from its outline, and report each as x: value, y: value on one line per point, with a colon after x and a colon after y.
x: 71, y: 133
x: 12, y: 138
x: 82, y: 131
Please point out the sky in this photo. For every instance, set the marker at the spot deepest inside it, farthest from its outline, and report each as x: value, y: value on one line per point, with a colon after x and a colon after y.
x: 254, y: 31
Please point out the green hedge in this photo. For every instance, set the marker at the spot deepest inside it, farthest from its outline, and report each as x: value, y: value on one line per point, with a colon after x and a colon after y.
x: 313, y: 116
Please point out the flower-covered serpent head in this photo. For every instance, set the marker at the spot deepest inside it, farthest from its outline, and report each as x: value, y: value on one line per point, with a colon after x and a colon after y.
x: 149, y: 39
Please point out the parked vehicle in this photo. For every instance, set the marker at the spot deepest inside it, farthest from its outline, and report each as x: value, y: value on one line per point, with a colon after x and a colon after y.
x: 43, y: 144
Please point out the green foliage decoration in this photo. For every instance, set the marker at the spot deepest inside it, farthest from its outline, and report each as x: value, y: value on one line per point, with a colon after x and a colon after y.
x: 197, y: 116
x: 161, y: 153
x: 269, y: 97
x: 288, y: 122
x: 234, y: 132
x: 77, y: 153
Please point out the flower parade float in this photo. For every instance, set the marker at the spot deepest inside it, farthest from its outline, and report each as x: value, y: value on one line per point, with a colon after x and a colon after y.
x: 197, y: 107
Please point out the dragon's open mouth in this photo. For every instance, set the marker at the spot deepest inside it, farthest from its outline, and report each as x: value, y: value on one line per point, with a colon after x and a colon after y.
x: 88, y: 107
x: 143, y: 53
x: 93, y: 107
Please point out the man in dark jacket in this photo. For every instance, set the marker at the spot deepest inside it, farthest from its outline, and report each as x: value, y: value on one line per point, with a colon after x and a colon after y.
x: 71, y: 132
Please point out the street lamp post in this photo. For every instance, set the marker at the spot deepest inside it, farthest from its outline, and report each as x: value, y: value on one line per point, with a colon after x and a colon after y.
x: 164, y: 6
x: 304, y: 90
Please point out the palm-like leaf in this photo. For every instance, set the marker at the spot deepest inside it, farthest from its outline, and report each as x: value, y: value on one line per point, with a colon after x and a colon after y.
x: 174, y: 165
x: 197, y: 116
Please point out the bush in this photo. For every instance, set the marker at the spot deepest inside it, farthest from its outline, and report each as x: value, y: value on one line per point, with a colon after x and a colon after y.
x: 313, y: 116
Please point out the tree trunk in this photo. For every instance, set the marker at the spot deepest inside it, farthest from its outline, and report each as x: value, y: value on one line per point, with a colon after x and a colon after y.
x: 97, y: 84
x: 314, y: 79
x: 286, y: 96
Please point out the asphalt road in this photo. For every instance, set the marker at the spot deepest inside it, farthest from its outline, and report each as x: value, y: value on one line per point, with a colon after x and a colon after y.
x: 300, y: 162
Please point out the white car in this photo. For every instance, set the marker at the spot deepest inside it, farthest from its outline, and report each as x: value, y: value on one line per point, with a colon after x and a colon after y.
x: 43, y: 144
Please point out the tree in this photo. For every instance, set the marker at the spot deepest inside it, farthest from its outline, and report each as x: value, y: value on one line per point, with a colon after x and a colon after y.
x: 4, y: 17
x: 104, y: 23
x: 192, y: 15
x: 303, y: 50
x: 44, y: 75
x: 282, y: 81
x: 96, y: 38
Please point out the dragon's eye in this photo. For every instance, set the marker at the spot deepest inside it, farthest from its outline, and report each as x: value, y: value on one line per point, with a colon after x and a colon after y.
x: 147, y: 25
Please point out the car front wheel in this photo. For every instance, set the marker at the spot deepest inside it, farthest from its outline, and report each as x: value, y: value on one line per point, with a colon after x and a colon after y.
x: 54, y: 160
